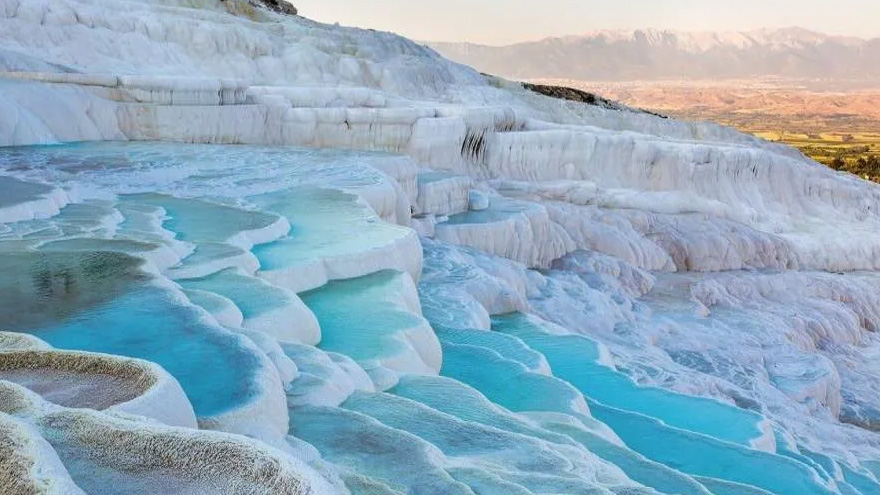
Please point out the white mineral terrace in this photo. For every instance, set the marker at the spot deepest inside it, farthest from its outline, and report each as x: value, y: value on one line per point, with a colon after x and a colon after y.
x: 247, y: 253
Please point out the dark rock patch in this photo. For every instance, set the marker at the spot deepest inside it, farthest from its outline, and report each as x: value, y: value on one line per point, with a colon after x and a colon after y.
x: 280, y: 6
x: 571, y: 94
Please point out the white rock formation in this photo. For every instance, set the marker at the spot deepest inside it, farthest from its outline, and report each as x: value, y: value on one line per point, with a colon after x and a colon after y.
x: 601, y: 301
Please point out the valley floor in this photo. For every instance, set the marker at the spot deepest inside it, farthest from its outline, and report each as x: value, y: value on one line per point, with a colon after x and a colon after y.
x: 835, y: 124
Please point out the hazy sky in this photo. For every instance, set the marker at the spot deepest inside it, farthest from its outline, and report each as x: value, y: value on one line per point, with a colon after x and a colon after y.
x: 507, y: 21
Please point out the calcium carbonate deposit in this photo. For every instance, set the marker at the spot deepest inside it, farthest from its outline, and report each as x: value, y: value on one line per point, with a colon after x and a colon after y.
x: 245, y: 253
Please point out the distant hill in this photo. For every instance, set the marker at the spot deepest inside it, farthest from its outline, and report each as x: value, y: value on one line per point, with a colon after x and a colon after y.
x: 792, y: 53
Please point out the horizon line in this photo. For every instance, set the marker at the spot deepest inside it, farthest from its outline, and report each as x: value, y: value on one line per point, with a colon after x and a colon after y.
x: 594, y: 32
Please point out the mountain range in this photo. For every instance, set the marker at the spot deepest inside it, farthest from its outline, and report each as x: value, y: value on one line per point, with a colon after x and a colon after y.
x: 648, y: 54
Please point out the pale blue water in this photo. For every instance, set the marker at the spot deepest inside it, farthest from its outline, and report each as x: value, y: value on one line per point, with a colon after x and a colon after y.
x: 720, y: 487
x: 102, y: 302
x: 457, y: 399
x: 84, y: 219
x: 85, y: 244
x: 17, y: 192
x: 499, y: 209
x: 118, y: 309
x: 215, y: 370
x: 465, y: 402
x: 359, y: 317
x: 324, y: 224
x: 820, y: 464
x: 507, y: 382
x: 859, y: 481
x: 206, y: 253
x: 252, y: 296
x: 510, y: 385
x: 574, y: 359
x: 383, y: 458
x: 202, y: 221
x: 192, y: 170
x: 704, y: 456
x: 429, y: 177
x: 456, y: 437
x: 91, y: 294
x: 650, y: 473
x: 720, y: 451
x: 655, y: 422
x: 508, y: 346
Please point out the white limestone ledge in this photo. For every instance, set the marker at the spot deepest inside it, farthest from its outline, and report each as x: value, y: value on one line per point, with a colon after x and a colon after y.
x: 95, y: 381
x: 156, y: 90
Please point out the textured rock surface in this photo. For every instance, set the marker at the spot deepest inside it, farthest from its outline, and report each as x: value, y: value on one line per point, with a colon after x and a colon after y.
x: 370, y: 270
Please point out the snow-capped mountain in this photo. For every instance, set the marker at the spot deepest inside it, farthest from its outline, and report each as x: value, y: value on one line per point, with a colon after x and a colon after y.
x: 646, y: 54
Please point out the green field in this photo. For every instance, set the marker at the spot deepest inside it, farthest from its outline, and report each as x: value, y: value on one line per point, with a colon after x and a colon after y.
x: 858, y: 153
x: 845, y: 143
